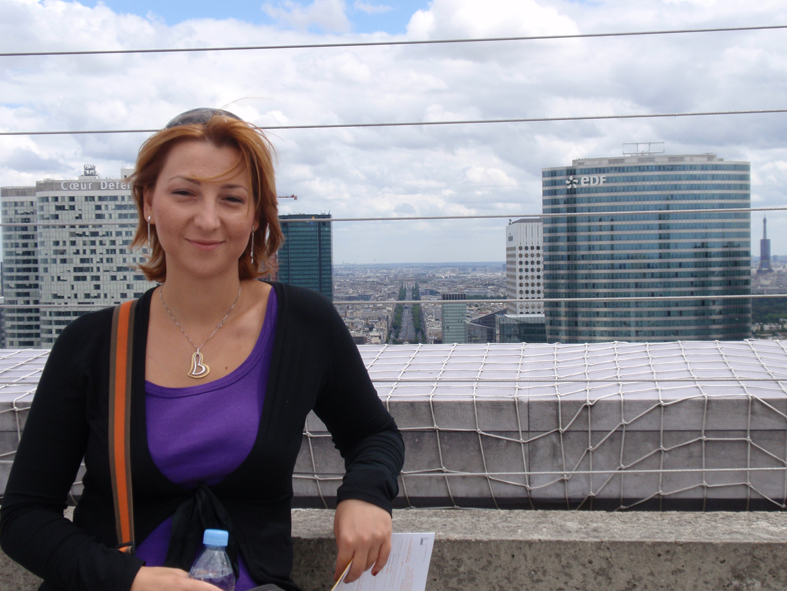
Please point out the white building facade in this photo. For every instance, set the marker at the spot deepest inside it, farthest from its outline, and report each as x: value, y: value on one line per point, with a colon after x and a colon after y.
x: 525, y: 266
x: 83, y: 229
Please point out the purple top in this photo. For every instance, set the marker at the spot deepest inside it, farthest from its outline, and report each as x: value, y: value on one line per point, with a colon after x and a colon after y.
x: 217, y: 426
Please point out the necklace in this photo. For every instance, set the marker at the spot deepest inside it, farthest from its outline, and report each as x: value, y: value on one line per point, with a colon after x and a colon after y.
x: 199, y: 369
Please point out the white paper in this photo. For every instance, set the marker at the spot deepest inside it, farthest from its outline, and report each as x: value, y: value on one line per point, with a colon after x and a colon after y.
x: 406, y: 570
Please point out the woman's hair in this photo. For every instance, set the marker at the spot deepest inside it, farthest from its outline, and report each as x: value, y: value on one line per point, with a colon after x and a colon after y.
x: 222, y: 129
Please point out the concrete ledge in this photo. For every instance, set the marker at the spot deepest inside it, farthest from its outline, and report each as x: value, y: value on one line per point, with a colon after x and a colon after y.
x: 492, y: 550
x: 557, y: 550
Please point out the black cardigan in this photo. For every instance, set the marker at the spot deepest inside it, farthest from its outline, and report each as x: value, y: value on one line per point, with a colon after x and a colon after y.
x: 314, y: 365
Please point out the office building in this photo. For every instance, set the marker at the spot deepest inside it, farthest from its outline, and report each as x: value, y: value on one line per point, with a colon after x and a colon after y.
x: 483, y: 329
x: 306, y: 256
x: 765, y: 250
x: 2, y: 324
x: 521, y: 328
x: 628, y: 227
x: 524, y: 266
x: 77, y: 255
x: 20, y: 268
x: 454, y: 317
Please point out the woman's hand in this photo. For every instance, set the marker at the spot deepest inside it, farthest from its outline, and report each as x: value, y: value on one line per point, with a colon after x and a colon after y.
x: 159, y: 578
x: 363, y: 535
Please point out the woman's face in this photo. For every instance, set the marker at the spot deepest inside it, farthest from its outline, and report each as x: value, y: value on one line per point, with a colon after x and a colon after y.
x: 202, y: 208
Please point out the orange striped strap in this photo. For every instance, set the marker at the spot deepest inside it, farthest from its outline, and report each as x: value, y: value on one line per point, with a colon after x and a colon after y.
x: 120, y: 421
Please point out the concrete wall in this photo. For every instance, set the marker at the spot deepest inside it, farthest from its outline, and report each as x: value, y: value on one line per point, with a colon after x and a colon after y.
x: 492, y: 550
x: 600, y: 426
x: 685, y: 425
x: 535, y: 452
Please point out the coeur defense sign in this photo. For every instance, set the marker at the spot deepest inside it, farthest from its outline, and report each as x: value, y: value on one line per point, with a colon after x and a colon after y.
x: 94, y: 186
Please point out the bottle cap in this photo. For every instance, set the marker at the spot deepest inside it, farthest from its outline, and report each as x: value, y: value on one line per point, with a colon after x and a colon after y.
x: 215, y: 537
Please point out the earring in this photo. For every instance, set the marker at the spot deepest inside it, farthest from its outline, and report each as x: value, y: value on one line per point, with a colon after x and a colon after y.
x: 251, y: 251
x: 148, y: 234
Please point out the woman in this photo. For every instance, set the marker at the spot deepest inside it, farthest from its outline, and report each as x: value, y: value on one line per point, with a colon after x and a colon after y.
x: 225, y: 370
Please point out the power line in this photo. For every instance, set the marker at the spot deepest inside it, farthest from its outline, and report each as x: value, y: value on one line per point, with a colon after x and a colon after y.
x: 620, y: 214
x: 427, y: 123
x: 554, y: 380
x: 541, y: 215
x: 703, y: 296
x: 566, y: 474
x: 387, y: 43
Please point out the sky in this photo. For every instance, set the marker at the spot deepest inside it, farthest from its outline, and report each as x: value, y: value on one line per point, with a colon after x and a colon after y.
x: 358, y: 16
x: 489, y: 169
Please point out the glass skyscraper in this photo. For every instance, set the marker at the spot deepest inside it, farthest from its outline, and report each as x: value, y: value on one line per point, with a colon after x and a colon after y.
x: 20, y: 268
x: 454, y: 318
x: 634, y: 227
x: 306, y: 257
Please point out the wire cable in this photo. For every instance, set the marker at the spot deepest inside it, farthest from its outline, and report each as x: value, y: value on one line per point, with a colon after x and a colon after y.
x: 427, y: 123
x: 699, y: 297
x: 533, y: 300
x: 133, y: 223
x: 388, y: 43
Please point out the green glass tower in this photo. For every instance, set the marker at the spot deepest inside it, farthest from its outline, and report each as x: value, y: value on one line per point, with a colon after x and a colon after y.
x: 647, y: 236
x: 306, y: 257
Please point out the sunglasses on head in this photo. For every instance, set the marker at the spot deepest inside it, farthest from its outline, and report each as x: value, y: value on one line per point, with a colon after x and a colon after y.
x: 199, y: 116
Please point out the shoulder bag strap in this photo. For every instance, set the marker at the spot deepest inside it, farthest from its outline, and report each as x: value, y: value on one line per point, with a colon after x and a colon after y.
x: 120, y: 421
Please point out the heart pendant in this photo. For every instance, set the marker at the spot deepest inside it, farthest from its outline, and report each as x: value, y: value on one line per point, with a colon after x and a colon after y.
x: 198, y: 368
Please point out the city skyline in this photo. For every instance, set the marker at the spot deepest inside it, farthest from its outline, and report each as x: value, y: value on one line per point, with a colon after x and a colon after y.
x: 495, y: 225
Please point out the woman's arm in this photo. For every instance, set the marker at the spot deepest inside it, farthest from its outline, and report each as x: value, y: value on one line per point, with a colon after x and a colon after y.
x: 370, y: 443
x: 33, y: 530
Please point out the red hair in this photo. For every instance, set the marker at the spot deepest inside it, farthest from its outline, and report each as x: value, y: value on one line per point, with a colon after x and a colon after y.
x: 256, y: 153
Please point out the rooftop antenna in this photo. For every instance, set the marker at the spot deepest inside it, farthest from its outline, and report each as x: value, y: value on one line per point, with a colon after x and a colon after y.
x: 643, y: 148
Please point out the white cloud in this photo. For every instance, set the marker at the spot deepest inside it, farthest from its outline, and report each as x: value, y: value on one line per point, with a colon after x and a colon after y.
x: 450, y: 19
x: 491, y: 177
x: 369, y: 8
x: 406, y: 171
x: 328, y: 15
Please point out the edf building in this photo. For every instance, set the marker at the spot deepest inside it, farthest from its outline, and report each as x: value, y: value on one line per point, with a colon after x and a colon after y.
x: 634, y: 227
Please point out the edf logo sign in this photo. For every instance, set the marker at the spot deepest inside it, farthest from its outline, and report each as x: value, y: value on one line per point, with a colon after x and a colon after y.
x: 585, y: 181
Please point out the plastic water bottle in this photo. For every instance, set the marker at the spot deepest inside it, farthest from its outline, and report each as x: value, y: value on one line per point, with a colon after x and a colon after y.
x: 213, y: 565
